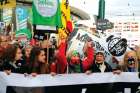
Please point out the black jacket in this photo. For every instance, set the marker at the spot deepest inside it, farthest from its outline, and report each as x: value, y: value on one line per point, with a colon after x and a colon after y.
x: 18, y: 67
x: 95, y: 68
x: 100, y: 88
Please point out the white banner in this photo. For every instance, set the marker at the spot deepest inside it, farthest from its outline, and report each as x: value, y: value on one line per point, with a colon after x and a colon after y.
x: 43, y: 80
x: 109, y: 44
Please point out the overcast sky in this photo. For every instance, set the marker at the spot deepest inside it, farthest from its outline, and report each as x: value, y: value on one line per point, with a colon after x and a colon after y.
x: 113, y: 7
x: 123, y: 7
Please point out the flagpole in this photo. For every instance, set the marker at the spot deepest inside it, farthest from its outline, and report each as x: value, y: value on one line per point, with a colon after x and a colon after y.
x: 47, y: 48
x: 67, y: 3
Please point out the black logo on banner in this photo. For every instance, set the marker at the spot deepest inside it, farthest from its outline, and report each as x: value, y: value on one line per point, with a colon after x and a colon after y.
x: 116, y: 45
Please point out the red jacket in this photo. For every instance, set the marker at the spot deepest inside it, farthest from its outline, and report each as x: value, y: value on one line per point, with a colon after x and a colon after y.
x: 60, y: 65
x: 88, y: 61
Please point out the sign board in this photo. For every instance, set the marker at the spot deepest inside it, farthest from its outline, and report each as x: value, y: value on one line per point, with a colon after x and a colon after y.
x: 104, y: 24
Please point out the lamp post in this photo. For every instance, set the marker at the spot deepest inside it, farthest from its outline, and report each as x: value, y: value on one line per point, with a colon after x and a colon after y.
x: 101, y: 12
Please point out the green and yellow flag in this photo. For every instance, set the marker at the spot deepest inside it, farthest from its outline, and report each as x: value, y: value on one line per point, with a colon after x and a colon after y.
x: 46, y: 12
x: 7, y: 4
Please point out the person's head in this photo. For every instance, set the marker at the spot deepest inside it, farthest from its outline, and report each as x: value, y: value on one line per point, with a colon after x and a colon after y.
x: 130, y: 59
x: 27, y: 51
x: 3, y: 41
x: 12, y: 53
x: 75, y: 57
x: 37, y: 55
x: 137, y: 49
x: 99, y: 57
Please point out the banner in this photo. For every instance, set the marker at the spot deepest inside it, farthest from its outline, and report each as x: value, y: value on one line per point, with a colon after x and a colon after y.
x: 21, y: 17
x: 46, y: 12
x: 125, y: 80
x: 7, y: 4
x: 23, y: 27
x: 7, y: 16
x: 109, y: 44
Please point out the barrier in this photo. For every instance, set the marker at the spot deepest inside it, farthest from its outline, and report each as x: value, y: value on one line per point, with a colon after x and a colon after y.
x: 46, y: 80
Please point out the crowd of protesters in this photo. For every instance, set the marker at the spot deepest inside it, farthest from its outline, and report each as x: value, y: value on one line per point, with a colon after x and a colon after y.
x: 33, y: 59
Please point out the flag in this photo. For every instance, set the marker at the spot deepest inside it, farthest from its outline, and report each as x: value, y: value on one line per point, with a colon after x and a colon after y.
x: 66, y: 20
x: 46, y: 12
x: 65, y: 9
x: 7, y: 4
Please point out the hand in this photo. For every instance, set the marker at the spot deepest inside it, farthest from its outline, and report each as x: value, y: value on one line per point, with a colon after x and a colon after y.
x: 26, y: 74
x: 8, y: 72
x: 118, y: 72
x: 34, y: 74
x: 90, y: 44
x: 53, y: 74
x: 88, y: 72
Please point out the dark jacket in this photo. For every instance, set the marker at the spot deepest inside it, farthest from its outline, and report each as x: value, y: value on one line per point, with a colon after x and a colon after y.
x: 76, y: 68
x: 100, y: 88
x: 95, y: 68
x: 17, y: 67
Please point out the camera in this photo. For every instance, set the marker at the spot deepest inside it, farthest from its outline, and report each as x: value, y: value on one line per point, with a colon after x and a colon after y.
x: 54, y: 41
x: 131, y: 60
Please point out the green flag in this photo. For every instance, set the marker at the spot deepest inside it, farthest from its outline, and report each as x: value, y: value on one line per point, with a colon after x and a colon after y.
x: 46, y: 12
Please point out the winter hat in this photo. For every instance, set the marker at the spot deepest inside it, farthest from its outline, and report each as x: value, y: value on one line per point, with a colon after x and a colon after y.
x: 75, y: 53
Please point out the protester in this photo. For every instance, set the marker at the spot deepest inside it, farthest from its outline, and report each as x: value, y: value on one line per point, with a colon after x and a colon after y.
x: 12, y: 63
x: 26, y: 57
x: 11, y: 60
x: 99, y: 65
x: 4, y: 41
x: 1, y: 53
x: 137, y: 50
x: 130, y: 62
x: 76, y: 65
x: 37, y: 65
x: 37, y: 61
x: 59, y: 64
